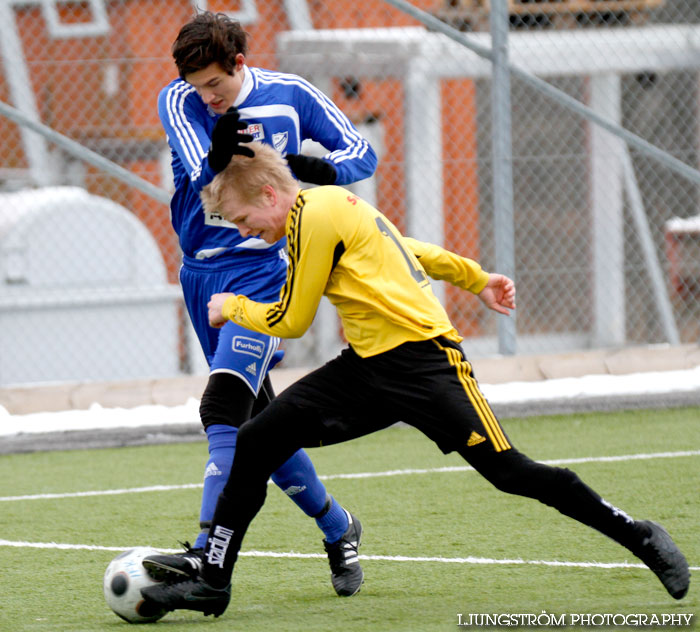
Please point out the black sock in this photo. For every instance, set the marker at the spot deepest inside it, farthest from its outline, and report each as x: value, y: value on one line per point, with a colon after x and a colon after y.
x: 515, y: 473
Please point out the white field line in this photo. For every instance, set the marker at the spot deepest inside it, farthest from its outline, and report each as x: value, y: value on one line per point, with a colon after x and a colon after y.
x: 373, y: 558
x: 436, y: 470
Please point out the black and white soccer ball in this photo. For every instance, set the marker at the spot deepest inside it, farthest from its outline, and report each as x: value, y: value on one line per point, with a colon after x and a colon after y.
x: 124, y: 578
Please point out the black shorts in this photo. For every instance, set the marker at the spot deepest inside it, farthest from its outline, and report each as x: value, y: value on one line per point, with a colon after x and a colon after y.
x: 427, y: 384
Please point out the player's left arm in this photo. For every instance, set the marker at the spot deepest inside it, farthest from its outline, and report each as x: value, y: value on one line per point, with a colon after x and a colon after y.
x: 496, y: 291
x: 444, y: 265
x: 499, y: 294
x: 350, y: 155
x: 312, y: 247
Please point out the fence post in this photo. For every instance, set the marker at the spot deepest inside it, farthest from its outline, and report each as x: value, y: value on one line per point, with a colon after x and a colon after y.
x: 502, y: 164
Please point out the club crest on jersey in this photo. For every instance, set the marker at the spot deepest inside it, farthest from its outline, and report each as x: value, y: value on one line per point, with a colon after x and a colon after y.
x: 250, y: 346
x: 255, y: 130
x: 279, y: 141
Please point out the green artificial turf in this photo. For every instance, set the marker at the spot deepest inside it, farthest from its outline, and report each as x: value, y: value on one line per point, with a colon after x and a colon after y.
x: 419, y: 528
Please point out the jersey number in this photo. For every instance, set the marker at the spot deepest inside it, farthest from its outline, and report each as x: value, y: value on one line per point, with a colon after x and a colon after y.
x: 416, y: 272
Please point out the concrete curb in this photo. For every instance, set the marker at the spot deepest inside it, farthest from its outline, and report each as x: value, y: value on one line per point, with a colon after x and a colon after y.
x: 21, y: 400
x: 186, y: 433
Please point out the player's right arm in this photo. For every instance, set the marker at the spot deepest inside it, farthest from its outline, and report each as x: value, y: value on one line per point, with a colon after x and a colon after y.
x: 185, y: 120
x: 313, y: 246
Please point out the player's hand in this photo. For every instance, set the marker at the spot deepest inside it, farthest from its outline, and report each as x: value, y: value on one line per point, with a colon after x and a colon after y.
x: 311, y: 169
x: 215, y: 305
x: 499, y: 294
x: 226, y: 139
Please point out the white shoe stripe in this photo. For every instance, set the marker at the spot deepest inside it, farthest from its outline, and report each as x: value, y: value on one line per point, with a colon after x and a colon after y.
x: 195, y: 562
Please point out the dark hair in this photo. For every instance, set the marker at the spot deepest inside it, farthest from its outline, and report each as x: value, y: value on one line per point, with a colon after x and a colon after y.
x: 208, y: 38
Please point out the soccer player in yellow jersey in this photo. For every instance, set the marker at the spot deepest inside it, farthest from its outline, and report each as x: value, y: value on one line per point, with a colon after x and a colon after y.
x: 404, y: 363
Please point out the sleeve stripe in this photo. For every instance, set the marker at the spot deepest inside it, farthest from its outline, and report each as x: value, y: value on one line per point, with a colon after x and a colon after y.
x: 357, y: 145
x: 186, y: 136
x: 356, y: 151
x: 276, y: 313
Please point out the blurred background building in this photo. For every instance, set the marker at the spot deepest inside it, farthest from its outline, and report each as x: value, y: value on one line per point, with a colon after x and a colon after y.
x: 606, y: 247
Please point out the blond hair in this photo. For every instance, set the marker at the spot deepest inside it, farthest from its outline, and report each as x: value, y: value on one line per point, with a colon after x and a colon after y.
x: 244, y: 178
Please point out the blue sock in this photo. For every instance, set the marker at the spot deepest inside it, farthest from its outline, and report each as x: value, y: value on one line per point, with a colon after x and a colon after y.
x: 334, y: 523
x: 222, y: 446
x: 298, y: 479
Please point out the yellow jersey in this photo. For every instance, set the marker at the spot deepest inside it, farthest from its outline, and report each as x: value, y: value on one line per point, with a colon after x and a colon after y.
x: 342, y: 247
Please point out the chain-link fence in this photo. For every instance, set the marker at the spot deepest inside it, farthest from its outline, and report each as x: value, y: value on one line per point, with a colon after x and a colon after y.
x: 606, y: 234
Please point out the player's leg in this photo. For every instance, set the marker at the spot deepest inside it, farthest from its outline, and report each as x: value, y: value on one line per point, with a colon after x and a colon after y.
x: 237, y: 352
x: 515, y: 473
x: 239, y: 369
x: 322, y: 413
x: 342, y: 530
x: 481, y: 441
x: 226, y: 403
x: 333, y: 404
x: 297, y: 478
x: 221, y: 419
x: 263, y: 445
x: 243, y: 352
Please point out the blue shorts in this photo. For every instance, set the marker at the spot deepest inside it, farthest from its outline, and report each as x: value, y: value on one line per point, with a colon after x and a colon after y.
x: 234, y: 349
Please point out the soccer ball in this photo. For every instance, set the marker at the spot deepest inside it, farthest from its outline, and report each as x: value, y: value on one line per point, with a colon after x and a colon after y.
x: 124, y: 578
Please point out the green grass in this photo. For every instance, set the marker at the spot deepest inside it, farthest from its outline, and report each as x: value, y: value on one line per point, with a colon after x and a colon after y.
x: 437, y: 514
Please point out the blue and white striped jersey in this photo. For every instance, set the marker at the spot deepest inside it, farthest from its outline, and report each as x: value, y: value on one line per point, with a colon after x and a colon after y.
x: 281, y: 110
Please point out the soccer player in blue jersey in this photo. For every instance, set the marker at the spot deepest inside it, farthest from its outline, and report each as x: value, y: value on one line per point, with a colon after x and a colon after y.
x: 217, y: 103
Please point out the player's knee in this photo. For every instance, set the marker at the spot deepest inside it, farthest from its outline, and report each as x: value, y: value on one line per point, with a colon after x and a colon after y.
x: 227, y: 401
x: 272, y: 436
x: 514, y: 473
x: 251, y: 435
x: 508, y: 481
x: 538, y: 484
